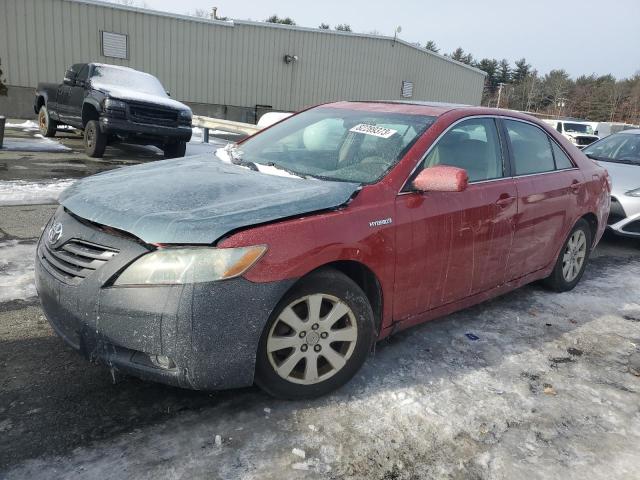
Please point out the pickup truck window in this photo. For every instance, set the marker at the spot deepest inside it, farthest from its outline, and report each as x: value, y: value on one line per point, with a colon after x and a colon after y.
x: 83, y: 74
x: 126, y: 78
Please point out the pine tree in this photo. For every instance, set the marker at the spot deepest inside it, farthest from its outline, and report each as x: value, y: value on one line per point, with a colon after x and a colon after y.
x: 504, y: 71
x: 431, y: 46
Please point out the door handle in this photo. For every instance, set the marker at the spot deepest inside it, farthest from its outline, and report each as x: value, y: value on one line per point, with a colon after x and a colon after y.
x: 505, y: 200
x: 575, y: 186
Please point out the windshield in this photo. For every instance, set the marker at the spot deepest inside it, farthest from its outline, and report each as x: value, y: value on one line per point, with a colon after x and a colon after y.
x: 336, y: 143
x: 619, y: 147
x: 127, y: 79
x: 578, y: 128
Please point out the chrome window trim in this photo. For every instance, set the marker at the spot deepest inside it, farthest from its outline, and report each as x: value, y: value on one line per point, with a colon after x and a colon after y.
x: 512, y: 177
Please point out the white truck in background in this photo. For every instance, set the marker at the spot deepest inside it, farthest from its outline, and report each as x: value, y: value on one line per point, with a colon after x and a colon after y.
x: 604, y: 129
x: 577, y: 132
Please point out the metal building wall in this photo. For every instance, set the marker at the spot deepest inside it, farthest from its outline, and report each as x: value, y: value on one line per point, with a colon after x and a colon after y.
x: 225, y: 63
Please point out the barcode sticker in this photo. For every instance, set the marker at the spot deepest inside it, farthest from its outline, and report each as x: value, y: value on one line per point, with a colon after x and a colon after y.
x: 373, y: 130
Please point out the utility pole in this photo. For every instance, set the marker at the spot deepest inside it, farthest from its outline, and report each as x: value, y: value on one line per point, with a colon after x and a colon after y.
x: 500, y: 85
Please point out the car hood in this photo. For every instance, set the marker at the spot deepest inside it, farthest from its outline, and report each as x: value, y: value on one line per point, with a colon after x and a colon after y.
x: 123, y: 93
x: 624, y: 177
x: 196, y: 200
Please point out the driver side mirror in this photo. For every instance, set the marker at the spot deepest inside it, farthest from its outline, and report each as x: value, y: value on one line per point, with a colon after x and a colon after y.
x: 441, y: 178
x: 69, y: 78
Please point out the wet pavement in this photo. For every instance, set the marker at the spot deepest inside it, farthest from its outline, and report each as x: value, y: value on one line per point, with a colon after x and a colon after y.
x: 54, y: 164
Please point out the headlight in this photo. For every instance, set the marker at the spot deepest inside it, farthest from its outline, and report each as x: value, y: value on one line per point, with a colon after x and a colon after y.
x: 573, y: 140
x: 111, y: 104
x: 633, y: 193
x: 185, y: 113
x: 174, y: 266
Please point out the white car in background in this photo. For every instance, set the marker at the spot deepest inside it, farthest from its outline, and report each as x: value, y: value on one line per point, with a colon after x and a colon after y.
x: 579, y: 133
x: 620, y: 155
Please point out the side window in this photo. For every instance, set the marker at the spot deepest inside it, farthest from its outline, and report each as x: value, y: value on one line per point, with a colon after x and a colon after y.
x: 530, y: 147
x: 84, y: 74
x: 473, y: 145
x: 562, y: 161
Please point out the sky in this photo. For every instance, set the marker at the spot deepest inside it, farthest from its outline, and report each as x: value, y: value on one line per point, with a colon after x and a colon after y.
x: 581, y: 36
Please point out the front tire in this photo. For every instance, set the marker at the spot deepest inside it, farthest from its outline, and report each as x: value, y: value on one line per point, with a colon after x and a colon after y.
x: 95, y: 141
x: 572, y: 260
x: 46, y: 125
x: 175, y: 150
x: 317, y: 338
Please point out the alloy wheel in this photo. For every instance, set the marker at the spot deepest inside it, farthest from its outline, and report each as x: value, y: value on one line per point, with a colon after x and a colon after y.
x: 574, y: 255
x: 90, y: 136
x: 312, y: 339
x: 42, y: 120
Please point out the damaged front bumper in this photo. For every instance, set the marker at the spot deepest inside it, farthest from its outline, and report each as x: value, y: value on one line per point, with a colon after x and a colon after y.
x: 202, y: 336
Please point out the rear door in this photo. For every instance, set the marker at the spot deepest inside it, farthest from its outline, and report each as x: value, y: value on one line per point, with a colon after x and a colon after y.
x: 450, y: 245
x: 548, y: 186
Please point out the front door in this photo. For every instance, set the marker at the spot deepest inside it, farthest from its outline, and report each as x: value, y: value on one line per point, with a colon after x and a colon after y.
x: 450, y: 245
x: 76, y: 96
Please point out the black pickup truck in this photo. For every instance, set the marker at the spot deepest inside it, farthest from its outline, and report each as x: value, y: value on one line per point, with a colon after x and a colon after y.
x: 114, y: 104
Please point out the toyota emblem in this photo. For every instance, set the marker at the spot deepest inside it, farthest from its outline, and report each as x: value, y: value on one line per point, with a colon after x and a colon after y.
x: 54, y: 233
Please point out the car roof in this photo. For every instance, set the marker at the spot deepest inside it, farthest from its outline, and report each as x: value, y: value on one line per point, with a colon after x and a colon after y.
x: 428, y: 108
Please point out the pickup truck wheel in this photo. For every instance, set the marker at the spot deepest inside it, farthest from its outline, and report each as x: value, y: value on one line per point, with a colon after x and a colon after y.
x: 95, y: 141
x: 175, y: 150
x: 317, y: 338
x: 47, y: 126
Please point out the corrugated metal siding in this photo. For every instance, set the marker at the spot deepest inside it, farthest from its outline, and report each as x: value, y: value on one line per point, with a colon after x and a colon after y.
x: 220, y: 63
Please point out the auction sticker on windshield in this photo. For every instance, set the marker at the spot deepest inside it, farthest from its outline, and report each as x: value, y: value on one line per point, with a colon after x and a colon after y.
x: 373, y: 130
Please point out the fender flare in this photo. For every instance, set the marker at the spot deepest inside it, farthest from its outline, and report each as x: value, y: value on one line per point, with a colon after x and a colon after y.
x: 93, y: 103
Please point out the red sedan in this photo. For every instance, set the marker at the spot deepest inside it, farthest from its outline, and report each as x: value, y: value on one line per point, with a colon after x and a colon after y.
x: 285, y: 258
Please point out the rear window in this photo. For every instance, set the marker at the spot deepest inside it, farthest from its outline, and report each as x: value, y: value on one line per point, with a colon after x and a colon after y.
x: 336, y: 143
x: 530, y: 147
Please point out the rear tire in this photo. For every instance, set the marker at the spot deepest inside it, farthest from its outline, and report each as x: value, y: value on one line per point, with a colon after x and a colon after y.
x: 572, y: 260
x: 316, y: 339
x: 95, y: 141
x: 46, y: 125
x: 175, y: 150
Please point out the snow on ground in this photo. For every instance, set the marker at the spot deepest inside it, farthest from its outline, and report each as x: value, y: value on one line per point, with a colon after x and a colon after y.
x: 543, y: 392
x: 22, y: 192
x: 16, y: 270
x: 36, y: 144
x: 26, y: 126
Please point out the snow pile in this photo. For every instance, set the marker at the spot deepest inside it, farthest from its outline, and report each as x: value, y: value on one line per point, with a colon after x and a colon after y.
x: 26, y: 126
x: 22, y: 192
x: 36, y: 144
x: 16, y: 270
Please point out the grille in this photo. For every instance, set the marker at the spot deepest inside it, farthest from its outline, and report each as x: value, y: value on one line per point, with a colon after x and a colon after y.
x: 616, y: 213
x: 153, y: 115
x: 75, y: 260
x: 632, y: 227
x: 585, y: 140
